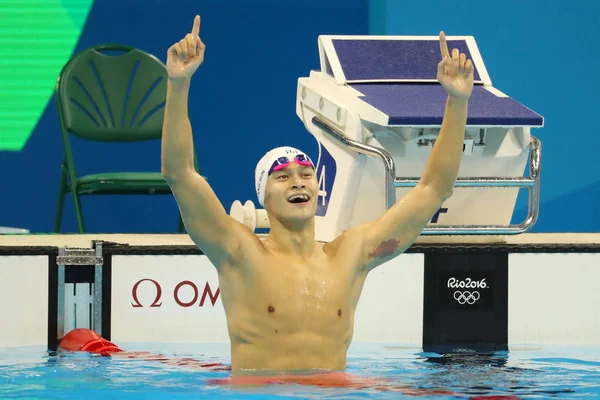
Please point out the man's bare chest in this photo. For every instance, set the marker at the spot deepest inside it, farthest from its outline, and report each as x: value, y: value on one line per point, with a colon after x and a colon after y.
x: 300, y: 294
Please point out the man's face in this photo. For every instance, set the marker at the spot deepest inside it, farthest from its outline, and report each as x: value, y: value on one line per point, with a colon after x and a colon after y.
x: 291, y: 193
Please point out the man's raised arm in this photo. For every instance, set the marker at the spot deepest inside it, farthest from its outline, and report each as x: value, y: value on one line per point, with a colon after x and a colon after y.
x: 391, y: 234
x: 207, y: 222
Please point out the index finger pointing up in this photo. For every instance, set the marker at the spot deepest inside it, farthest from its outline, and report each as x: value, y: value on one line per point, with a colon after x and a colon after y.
x: 196, y: 27
x: 443, y: 45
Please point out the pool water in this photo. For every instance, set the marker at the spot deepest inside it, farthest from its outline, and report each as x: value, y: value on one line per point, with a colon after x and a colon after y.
x: 525, y: 372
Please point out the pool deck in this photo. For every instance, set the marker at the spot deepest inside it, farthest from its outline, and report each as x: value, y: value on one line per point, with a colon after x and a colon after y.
x: 85, y: 240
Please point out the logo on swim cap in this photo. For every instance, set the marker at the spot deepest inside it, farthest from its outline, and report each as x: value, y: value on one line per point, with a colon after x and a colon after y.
x: 275, y: 160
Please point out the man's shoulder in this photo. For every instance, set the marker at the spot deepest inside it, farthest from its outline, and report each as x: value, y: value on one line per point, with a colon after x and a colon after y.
x: 251, y: 245
x: 248, y: 248
x: 347, y: 243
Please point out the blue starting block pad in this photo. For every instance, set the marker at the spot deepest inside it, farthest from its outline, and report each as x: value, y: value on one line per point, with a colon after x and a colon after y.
x: 424, y: 104
x: 397, y: 76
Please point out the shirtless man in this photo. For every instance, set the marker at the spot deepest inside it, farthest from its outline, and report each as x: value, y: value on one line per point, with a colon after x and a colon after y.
x: 290, y: 300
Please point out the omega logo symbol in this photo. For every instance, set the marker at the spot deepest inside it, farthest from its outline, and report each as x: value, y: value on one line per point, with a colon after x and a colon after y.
x: 206, y: 292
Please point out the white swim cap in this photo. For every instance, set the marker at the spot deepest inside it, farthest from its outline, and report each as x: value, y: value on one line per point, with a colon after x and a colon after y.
x: 281, y: 155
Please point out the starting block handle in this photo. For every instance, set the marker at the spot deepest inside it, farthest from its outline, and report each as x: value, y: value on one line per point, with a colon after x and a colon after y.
x: 388, y: 161
x: 532, y: 183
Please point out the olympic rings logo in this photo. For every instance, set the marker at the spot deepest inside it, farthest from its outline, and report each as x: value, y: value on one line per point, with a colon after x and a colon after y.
x: 466, y: 297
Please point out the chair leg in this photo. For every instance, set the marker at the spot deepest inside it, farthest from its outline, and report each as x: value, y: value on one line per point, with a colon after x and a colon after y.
x: 62, y: 185
x: 78, y: 213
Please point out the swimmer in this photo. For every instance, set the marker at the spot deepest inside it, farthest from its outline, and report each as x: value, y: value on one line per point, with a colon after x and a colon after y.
x: 290, y: 300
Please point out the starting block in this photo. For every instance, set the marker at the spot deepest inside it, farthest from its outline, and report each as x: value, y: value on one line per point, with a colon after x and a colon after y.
x: 375, y: 108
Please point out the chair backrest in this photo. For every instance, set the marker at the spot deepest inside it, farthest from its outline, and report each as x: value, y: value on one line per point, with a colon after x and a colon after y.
x: 105, y: 96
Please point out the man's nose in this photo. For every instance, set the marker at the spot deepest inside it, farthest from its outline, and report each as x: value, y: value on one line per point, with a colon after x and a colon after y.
x: 297, y: 183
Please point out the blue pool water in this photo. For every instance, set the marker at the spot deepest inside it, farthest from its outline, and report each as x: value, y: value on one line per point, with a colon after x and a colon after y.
x: 526, y: 372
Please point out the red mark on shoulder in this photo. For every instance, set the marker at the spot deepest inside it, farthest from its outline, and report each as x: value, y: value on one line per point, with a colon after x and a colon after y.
x: 386, y: 248
x: 271, y: 309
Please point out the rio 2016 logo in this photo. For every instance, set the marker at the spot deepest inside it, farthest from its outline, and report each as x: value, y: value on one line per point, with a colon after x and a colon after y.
x: 468, y: 283
x: 467, y: 296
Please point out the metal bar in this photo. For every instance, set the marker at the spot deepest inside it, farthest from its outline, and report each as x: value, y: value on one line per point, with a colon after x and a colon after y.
x: 469, y: 230
x: 388, y: 161
x: 512, y: 229
x: 69, y: 308
x: 97, y: 299
x: 60, y: 312
x: 82, y: 305
x: 78, y: 256
x: 534, y: 194
x: 474, y: 182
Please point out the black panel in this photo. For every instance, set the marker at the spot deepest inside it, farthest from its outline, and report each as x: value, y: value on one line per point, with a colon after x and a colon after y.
x: 52, y: 301
x: 106, y: 295
x: 465, y: 302
x: 80, y: 273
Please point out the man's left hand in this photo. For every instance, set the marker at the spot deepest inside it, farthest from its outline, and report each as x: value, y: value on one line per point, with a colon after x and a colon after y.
x: 455, y: 72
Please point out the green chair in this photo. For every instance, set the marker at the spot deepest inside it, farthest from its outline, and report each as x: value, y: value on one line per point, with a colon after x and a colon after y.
x: 110, y: 93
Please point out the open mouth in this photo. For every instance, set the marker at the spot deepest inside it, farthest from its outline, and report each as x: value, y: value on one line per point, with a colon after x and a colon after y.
x: 298, y: 198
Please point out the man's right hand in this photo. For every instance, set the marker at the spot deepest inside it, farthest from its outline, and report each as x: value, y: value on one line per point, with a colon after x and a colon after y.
x: 185, y: 56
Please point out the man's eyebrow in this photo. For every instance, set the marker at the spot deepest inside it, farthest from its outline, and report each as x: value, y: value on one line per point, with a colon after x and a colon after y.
x: 303, y: 168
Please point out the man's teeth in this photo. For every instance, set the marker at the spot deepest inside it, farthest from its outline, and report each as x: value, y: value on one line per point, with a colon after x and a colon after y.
x: 298, y: 197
